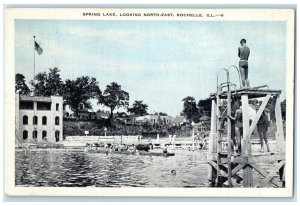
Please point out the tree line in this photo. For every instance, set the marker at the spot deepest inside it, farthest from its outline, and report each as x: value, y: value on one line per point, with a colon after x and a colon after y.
x: 85, y: 88
x: 79, y: 91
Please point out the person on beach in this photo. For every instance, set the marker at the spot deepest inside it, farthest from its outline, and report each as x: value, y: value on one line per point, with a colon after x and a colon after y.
x: 243, y: 53
x: 165, y: 149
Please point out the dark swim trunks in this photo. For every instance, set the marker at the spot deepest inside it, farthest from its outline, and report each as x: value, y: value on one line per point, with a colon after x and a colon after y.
x: 243, y: 64
x: 262, y: 127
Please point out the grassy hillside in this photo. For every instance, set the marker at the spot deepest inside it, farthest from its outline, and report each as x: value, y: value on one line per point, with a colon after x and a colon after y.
x: 96, y: 127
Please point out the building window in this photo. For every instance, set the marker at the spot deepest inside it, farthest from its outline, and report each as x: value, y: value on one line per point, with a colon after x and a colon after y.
x: 57, y: 135
x: 34, y: 134
x: 43, y: 105
x: 44, y: 135
x: 44, y: 120
x: 25, y: 119
x: 26, y: 105
x: 57, y: 107
x: 25, y: 134
x: 35, y: 120
x: 56, y: 120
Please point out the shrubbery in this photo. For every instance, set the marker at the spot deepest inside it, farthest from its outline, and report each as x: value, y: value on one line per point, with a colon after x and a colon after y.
x: 96, y: 128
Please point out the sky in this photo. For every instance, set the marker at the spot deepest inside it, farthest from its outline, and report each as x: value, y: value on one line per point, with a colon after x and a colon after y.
x: 159, y: 62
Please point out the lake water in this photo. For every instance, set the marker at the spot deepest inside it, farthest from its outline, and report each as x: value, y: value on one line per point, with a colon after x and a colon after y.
x: 58, y: 168
x: 77, y: 169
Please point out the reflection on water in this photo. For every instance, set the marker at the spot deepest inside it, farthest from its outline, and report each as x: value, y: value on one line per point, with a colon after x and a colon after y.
x: 58, y: 168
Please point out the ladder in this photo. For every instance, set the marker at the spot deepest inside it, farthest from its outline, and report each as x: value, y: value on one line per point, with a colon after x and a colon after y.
x: 224, y: 143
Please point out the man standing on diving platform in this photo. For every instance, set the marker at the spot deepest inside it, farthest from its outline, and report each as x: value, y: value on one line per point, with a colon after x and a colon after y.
x: 243, y: 53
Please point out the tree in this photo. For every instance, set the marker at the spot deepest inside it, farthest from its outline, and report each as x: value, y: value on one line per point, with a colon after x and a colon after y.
x: 54, y: 83
x: 39, y: 84
x: 204, y: 107
x: 114, y: 97
x: 21, y: 86
x: 48, y: 84
x: 161, y: 114
x: 80, y: 91
x: 190, y: 110
x: 138, y: 108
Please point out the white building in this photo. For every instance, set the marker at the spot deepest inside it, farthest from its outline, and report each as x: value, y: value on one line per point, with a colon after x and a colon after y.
x: 68, y: 112
x: 153, y: 119
x: 39, y: 118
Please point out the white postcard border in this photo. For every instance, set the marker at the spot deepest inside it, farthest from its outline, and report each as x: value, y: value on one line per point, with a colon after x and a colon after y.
x: 11, y: 14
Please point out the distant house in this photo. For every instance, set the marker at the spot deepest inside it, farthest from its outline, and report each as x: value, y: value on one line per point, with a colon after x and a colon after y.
x: 93, y: 115
x: 102, y: 115
x: 139, y: 120
x: 122, y: 117
x: 68, y: 112
x: 153, y: 119
x: 179, y: 120
x: 131, y: 118
x: 82, y: 112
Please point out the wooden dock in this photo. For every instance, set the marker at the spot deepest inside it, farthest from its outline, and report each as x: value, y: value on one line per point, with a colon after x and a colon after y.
x: 224, y: 164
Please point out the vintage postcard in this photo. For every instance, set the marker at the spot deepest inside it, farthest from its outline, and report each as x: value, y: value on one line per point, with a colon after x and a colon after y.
x: 149, y: 102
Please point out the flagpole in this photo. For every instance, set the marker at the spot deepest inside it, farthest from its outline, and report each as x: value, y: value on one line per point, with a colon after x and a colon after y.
x: 33, y: 57
x: 34, y: 108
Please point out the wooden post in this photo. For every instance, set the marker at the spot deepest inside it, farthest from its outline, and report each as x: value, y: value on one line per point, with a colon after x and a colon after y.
x: 279, y: 127
x: 213, y: 128
x: 212, y: 172
x: 282, y: 175
x: 218, y: 143
x: 229, y: 150
x: 218, y: 126
x: 246, y: 147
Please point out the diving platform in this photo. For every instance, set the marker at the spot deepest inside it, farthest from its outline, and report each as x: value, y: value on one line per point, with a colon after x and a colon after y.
x: 224, y: 164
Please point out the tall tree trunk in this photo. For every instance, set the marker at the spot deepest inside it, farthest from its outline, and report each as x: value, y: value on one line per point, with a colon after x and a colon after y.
x: 111, y: 115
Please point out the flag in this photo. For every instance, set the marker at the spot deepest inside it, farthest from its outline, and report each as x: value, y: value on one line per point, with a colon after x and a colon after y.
x: 38, y: 48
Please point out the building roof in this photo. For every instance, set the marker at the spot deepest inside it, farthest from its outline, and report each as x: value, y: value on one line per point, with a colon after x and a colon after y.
x: 35, y: 98
x: 120, y: 114
x: 204, y: 118
x: 104, y: 115
x: 140, y: 118
x: 178, y: 119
